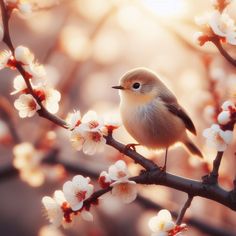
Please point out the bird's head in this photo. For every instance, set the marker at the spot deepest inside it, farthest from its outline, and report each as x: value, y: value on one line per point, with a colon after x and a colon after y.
x: 139, y: 85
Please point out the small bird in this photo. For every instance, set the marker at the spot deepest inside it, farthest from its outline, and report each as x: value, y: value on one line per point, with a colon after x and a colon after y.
x: 151, y: 114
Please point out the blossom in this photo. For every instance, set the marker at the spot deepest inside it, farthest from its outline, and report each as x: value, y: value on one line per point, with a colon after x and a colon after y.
x: 49, y: 97
x: 19, y: 84
x: 224, y: 117
x: 77, y: 190
x: 26, y: 105
x: 118, y: 171
x: 222, y: 25
x: 110, y: 123
x: 35, y: 70
x: 125, y: 190
x: 74, y: 119
x: 87, y: 135
x: 227, y: 105
x: 23, y: 55
x: 104, y: 179
x: 218, y: 138
x: 5, y: 58
x: 161, y: 224
x: 54, y: 208
x: 27, y: 160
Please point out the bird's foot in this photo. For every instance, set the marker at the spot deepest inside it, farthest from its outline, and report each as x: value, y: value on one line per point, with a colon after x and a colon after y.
x: 163, y: 168
x: 131, y: 146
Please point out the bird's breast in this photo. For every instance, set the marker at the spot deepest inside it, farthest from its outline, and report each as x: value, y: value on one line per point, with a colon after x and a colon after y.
x: 152, y: 125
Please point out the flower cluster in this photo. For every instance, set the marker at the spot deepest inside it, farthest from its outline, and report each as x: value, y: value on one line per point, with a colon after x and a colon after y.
x: 220, y: 135
x: 87, y: 132
x: 118, y: 178
x: 27, y: 160
x: 23, y: 6
x: 28, y: 104
x: 217, y: 24
x: 163, y: 225
x: 69, y: 203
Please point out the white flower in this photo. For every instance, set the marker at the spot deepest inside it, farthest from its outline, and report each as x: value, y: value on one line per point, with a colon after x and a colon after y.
x: 118, y: 171
x: 86, y: 134
x: 23, y: 55
x: 50, y: 98
x: 36, y: 70
x: 76, y: 138
x: 53, y: 207
x: 5, y: 56
x: 91, y: 121
x: 222, y: 25
x: 104, y: 179
x: 19, y: 84
x: 227, y: 104
x: 161, y: 224
x: 26, y: 105
x: 93, y: 141
x: 218, y: 138
x: 77, y: 190
x: 224, y: 117
x: 74, y: 119
x: 125, y: 190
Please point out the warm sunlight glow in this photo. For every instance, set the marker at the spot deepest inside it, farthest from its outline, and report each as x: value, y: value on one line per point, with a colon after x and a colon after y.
x: 166, y: 8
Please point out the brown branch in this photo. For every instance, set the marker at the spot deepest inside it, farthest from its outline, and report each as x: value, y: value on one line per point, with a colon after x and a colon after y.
x: 189, y: 186
x: 147, y: 164
x: 216, y: 41
x: 212, y: 178
x: 184, y: 209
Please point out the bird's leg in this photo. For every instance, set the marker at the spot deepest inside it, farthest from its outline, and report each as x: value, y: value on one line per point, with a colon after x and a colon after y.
x: 164, y: 167
x: 131, y: 146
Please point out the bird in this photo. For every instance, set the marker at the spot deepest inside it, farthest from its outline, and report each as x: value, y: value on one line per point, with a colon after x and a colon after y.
x: 151, y: 113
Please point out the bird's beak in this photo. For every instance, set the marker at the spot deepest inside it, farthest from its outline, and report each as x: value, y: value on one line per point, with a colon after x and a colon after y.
x: 118, y: 87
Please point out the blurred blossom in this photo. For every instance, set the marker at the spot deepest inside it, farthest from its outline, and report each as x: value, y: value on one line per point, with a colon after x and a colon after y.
x: 42, y: 26
x: 221, y: 25
x: 54, y: 173
x: 4, y: 131
x: 92, y: 9
x: 5, y: 57
x: 217, y: 73
x: 128, y: 16
x: 209, y: 113
x: 75, y: 42
x: 27, y: 160
x: 49, y: 230
x: 77, y: 191
x: 108, y: 46
x: 218, y: 138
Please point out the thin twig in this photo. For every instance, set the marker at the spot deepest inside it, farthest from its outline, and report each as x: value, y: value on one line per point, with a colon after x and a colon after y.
x: 216, y: 41
x: 212, y: 178
x: 184, y: 209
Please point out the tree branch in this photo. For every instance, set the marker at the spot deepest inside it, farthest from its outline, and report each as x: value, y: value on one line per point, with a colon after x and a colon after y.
x: 216, y: 41
x: 184, y: 209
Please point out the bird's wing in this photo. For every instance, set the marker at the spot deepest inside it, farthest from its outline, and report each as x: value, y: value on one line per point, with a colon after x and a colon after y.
x: 177, y: 110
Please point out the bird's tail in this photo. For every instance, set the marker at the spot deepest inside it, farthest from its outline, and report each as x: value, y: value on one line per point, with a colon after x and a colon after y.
x: 193, y: 148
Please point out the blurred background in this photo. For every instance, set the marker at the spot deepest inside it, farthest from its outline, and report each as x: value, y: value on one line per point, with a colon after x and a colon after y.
x: 86, y: 46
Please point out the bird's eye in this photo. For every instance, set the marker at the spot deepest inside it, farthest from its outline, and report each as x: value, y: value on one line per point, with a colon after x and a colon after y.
x: 136, y: 85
